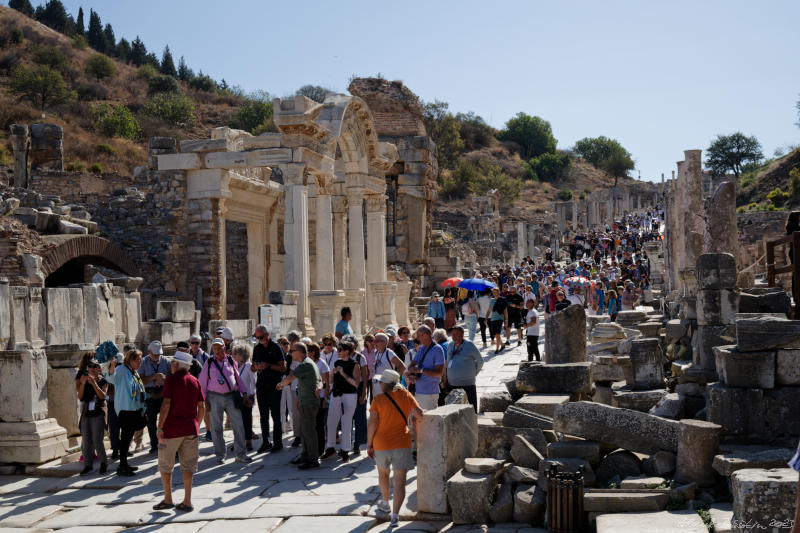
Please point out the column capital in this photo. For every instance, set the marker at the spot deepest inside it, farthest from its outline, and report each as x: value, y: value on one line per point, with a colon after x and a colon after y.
x: 338, y: 203
x: 294, y: 173
x: 376, y: 203
x: 354, y: 195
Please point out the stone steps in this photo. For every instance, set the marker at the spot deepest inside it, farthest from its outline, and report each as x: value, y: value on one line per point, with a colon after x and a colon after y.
x: 652, y: 522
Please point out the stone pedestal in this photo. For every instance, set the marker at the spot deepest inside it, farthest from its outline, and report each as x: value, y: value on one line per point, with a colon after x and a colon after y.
x: 382, y: 303
x: 565, y: 341
x: 62, y: 402
x: 325, y: 308
x: 286, y: 302
x: 5, y: 314
x: 401, y: 303
x: 445, y: 437
x: 698, y: 443
x: 20, y: 143
x: 355, y: 300
x: 648, y: 372
x: 763, y: 499
x: 26, y: 434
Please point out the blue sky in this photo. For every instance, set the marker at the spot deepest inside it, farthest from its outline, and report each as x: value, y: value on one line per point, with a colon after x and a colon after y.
x: 660, y: 77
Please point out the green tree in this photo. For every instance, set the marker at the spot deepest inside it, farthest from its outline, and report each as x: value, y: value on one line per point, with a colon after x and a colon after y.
x: 174, y: 108
x: 315, y: 92
x: 731, y: 153
x: 53, y: 15
x: 201, y: 82
x: 445, y: 131
x: 254, y: 114
x: 167, y: 63
x: 115, y: 121
x: 50, y: 57
x: 794, y: 184
x: 94, y: 34
x: 184, y: 72
x: 161, y: 83
x: 617, y: 165
x: 23, y: 6
x: 533, y: 135
x: 80, y: 28
x: 595, y: 150
x: 138, y: 52
x: 124, y: 50
x: 41, y: 86
x: 100, y: 66
x: 478, y: 178
x: 110, y: 40
x: 548, y: 167
x: 474, y: 130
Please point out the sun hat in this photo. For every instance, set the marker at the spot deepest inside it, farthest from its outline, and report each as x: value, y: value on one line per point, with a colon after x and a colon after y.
x: 390, y: 377
x: 182, y: 357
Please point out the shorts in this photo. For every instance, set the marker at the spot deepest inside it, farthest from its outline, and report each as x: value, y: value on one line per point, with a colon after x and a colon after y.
x: 515, y: 322
x: 188, y: 452
x: 399, y: 459
x: 495, y: 327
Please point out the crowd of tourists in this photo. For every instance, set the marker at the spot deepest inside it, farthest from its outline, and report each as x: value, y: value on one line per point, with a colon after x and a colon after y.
x: 340, y: 395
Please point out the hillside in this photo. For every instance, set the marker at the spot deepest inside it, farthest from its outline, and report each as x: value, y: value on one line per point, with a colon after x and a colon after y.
x: 81, y: 135
x: 754, y: 188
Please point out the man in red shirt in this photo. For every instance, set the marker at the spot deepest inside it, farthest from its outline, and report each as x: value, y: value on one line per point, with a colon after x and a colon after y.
x: 178, y: 425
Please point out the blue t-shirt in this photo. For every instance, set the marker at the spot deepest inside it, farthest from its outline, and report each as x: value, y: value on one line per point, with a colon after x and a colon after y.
x: 429, y: 358
x: 343, y: 327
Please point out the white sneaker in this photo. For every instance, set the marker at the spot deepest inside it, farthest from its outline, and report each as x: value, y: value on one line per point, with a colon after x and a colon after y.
x: 395, y: 519
x: 383, y: 506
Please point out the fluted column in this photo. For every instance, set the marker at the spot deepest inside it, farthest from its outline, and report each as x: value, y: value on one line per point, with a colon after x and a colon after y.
x: 339, y: 215
x: 357, y: 276
x: 324, y: 237
x: 376, y: 235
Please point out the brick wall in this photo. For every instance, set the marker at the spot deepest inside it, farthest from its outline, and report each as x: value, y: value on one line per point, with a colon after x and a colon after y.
x: 236, y: 271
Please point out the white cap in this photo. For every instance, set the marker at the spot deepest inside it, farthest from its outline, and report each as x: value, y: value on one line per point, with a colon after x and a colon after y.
x: 155, y: 347
x: 182, y: 357
x: 390, y: 377
x: 218, y: 341
x: 227, y: 334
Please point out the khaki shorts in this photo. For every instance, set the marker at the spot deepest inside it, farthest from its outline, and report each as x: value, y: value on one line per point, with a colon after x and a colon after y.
x: 188, y: 452
x: 399, y: 459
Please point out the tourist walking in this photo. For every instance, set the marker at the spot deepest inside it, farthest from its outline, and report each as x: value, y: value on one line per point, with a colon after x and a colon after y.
x: 425, y: 370
x: 201, y: 356
x: 360, y: 415
x: 313, y: 352
x: 498, y: 317
x: 389, y: 439
x: 129, y: 401
x: 113, y: 419
x: 532, y: 330
x: 470, y: 309
x: 613, y: 305
x: 182, y: 409
x: 270, y: 364
x: 436, y: 310
x: 247, y: 376
x: 450, y: 305
x: 224, y: 392
x: 92, y: 389
x: 309, y: 384
x: 463, y: 363
x: 484, y: 302
x: 344, y: 396
x: 343, y: 326
x: 385, y: 359
x: 153, y: 371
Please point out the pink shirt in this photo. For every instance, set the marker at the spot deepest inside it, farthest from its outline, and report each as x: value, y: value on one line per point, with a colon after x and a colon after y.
x: 370, y: 356
x: 211, y: 383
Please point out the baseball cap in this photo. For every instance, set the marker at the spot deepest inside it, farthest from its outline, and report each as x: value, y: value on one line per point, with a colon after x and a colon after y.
x: 227, y: 334
x: 156, y: 348
x: 182, y: 357
x: 219, y: 330
x: 218, y: 341
x: 390, y: 377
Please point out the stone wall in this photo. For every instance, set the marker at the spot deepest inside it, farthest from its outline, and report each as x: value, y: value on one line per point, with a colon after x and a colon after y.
x: 236, y: 271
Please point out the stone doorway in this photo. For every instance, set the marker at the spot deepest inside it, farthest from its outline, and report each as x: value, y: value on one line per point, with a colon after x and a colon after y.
x: 237, y: 297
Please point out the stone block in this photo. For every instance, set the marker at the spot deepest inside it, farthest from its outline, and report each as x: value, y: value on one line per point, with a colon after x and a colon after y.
x: 660, y: 463
x: 529, y: 506
x: 520, y: 474
x: 179, y: 161
x: 656, y: 522
x: 493, y: 438
x: 524, y: 453
x: 675, y: 329
x: 745, y: 369
x: 562, y: 344
x: 787, y: 365
x: 283, y: 297
x: 669, y: 406
x: 625, y: 397
x: 23, y: 385
x: 494, y: 402
x: 759, y: 334
x: 729, y: 462
x: 780, y: 415
x: 133, y: 317
x: 242, y: 329
x: 521, y: 418
x: 739, y: 411
x: 623, y: 428
x: 511, y: 387
x: 617, y: 501
x: 716, y: 307
x: 59, y: 324
x: 174, y: 311
x: 642, y: 482
x: 502, y: 510
x: 698, y: 443
x: 63, y: 404
x: 566, y: 377
x: 648, y: 371
x: 707, y: 338
x: 542, y: 403
x: 32, y: 442
x: 482, y: 465
x: 470, y: 496
x: 577, y: 449
x: 776, y: 300
x: 763, y: 498
x: 5, y: 314
x: 445, y: 437
x: 568, y: 464
x: 620, y: 463
x: 715, y: 271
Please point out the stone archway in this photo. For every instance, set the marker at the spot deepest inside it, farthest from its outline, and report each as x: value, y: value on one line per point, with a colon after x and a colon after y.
x: 75, y: 250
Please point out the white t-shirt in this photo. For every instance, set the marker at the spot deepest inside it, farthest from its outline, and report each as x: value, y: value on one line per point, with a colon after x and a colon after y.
x: 329, y: 358
x: 534, y: 329
x: 323, y: 368
x: 483, y: 303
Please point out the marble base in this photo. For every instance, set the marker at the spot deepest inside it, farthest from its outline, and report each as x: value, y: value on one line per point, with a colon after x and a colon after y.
x: 32, y: 442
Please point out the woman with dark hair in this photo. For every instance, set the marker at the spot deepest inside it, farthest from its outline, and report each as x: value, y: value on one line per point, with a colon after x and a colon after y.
x: 92, y: 390
x: 449, y: 309
x: 324, y: 396
x: 344, y: 397
x: 129, y: 398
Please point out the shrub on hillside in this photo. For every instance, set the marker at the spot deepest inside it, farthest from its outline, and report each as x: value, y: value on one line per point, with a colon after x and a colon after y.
x: 547, y: 167
x: 79, y: 42
x: 146, y: 71
x: 104, y: 149
x: 203, y: 83
x: 16, y: 36
x: 254, y: 115
x: 161, y: 83
x: 534, y: 135
x: 174, y: 108
x: 92, y: 90
x: 115, y: 121
x: 777, y: 197
x: 76, y: 166
x: 97, y: 168
x: 41, y: 86
x: 794, y: 183
x: 478, y: 178
x: 565, y: 194
x: 100, y: 66
x: 9, y: 61
x: 49, y: 56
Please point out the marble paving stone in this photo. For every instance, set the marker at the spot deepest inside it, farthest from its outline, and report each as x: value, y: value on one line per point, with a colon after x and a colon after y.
x: 25, y: 515
x: 29, y: 485
x: 205, y: 509
x: 288, y: 487
x: 306, y: 524
x: 101, y: 515
x: 86, y: 497
x: 252, y: 525
x: 190, y: 527
x: 91, y: 529
x: 415, y: 526
x: 721, y: 517
x: 657, y: 522
x: 316, y: 506
x: 356, y: 485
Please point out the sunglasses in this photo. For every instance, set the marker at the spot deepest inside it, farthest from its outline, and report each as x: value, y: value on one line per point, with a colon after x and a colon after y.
x: 195, y: 342
x: 328, y: 344
x: 259, y: 338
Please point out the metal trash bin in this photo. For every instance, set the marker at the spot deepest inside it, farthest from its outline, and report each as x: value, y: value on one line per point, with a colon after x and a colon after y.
x: 564, y: 500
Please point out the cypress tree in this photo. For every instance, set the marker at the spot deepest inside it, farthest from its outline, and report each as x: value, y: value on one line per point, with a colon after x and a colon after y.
x: 94, y: 35
x: 184, y: 72
x: 110, y: 39
x: 23, y: 6
x: 138, y: 52
x: 80, y: 29
x: 167, y: 63
x: 124, y: 50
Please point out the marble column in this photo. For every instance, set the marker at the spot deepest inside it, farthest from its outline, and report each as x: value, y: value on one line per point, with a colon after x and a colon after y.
x: 357, y: 273
x: 522, y: 240
x: 402, y: 300
x: 574, y: 215
x: 376, y: 236
x: 20, y: 143
x: 340, y: 260
x: 297, y: 265
x: 324, y: 239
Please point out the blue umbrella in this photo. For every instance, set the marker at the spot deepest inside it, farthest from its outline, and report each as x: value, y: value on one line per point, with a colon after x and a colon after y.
x: 476, y: 284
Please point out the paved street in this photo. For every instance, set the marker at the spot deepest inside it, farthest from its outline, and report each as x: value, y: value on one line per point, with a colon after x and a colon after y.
x: 266, y: 495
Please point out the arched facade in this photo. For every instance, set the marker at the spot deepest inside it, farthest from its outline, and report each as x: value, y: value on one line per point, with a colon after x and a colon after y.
x: 69, y: 248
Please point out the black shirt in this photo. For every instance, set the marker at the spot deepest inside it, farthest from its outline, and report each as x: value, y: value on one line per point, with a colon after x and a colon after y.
x: 340, y: 384
x: 515, y: 299
x: 271, y: 354
x: 89, y: 394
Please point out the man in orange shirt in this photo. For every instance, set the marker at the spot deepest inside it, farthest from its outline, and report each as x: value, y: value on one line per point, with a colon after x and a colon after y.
x: 389, y: 438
